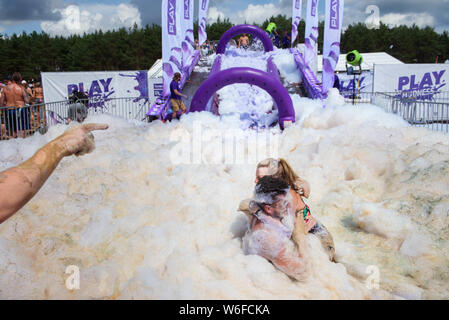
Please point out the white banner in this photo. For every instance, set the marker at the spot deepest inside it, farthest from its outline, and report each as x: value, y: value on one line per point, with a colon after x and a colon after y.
x: 421, y: 81
x: 172, y: 37
x: 311, y: 36
x: 188, y: 44
x: 100, y: 86
x: 362, y: 84
x: 331, y: 47
x: 202, y: 19
x: 296, y: 18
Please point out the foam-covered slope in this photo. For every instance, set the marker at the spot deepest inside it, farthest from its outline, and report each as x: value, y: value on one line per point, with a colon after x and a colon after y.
x: 139, y: 226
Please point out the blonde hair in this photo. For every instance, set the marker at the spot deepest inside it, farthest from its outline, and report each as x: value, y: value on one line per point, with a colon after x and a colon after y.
x: 279, y: 168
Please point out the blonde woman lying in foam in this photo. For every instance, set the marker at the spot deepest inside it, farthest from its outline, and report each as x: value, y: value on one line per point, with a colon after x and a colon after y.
x: 298, y: 189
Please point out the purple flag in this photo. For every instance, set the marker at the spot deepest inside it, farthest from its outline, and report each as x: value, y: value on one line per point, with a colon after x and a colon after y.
x: 331, y: 48
x: 296, y: 18
x: 311, y: 37
x: 172, y: 37
x: 202, y: 19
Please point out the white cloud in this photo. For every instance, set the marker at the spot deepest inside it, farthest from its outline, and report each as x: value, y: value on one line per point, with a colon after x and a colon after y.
x: 420, y: 19
x: 91, y: 17
x: 214, y: 14
x: 259, y: 13
x: 2, y: 29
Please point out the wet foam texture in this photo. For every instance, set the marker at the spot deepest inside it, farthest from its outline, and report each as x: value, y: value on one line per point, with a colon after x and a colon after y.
x: 139, y: 227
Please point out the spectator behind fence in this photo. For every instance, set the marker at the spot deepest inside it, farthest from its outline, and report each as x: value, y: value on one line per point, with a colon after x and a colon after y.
x: 78, y: 106
x: 2, y: 124
x: 19, y: 185
x: 28, y: 90
x: 38, y: 93
x: 17, y: 118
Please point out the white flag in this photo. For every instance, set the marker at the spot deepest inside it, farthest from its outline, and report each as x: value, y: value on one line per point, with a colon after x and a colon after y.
x: 311, y: 37
x: 188, y: 43
x: 296, y: 18
x: 332, y: 36
x: 202, y: 19
x: 172, y: 37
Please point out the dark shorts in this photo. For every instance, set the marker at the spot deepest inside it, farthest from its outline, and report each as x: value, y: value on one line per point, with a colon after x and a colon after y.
x: 17, y: 119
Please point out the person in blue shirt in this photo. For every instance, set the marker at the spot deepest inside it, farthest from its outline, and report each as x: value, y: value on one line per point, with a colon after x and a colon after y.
x: 176, y: 95
x: 286, y: 40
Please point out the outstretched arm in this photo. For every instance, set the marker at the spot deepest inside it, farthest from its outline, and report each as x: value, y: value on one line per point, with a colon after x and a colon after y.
x: 18, y: 185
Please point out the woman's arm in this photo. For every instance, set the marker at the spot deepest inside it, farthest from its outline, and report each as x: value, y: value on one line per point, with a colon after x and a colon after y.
x: 18, y: 185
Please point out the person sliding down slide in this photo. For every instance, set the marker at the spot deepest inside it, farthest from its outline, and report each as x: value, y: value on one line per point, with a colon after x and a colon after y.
x: 19, y: 185
x: 271, y: 229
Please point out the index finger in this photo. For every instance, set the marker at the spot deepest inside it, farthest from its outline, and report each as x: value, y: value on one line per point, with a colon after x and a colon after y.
x: 95, y: 126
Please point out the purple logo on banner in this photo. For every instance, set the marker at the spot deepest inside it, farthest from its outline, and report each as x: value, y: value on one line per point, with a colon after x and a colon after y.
x: 314, y: 3
x: 171, y: 20
x: 203, y: 5
x: 430, y: 84
x: 335, y: 14
x: 187, y: 9
x: 297, y: 4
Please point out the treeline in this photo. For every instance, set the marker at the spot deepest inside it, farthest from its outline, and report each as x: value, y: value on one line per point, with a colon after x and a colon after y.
x: 408, y: 44
x: 123, y: 49
x: 138, y: 48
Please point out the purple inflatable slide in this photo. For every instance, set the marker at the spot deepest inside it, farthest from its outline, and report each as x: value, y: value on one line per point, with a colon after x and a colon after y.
x: 268, y: 81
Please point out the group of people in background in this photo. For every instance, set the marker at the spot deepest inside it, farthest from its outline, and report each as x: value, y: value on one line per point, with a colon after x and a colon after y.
x: 282, y: 43
x: 285, y: 42
x: 16, y: 118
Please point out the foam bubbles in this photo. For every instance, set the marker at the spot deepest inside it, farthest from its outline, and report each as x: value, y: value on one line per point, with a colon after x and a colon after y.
x: 139, y: 226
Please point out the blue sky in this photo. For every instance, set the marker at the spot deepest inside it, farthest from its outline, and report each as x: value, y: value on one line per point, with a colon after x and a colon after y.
x: 54, y: 16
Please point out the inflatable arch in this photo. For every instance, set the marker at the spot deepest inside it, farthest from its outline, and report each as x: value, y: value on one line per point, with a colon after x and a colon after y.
x: 251, y: 76
x: 244, y: 28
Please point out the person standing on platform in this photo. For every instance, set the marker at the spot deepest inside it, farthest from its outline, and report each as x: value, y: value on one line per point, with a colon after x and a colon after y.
x: 176, y: 96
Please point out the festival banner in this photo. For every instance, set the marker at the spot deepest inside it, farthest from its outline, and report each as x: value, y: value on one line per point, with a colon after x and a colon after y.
x: 188, y: 44
x: 332, y: 35
x: 311, y: 36
x: 362, y: 84
x: 202, y: 18
x: 172, y: 37
x: 99, y: 86
x: 296, y: 18
x: 417, y: 81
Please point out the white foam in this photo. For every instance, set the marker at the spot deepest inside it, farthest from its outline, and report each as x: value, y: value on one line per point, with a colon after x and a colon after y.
x: 139, y: 226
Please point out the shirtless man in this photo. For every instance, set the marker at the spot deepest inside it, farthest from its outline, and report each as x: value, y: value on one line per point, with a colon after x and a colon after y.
x: 271, y: 229
x: 18, y: 185
x: 244, y: 41
x: 39, y: 107
x: 14, y: 97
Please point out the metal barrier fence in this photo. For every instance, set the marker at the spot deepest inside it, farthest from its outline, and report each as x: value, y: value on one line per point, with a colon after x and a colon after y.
x: 430, y: 111
x: 24, y: 122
